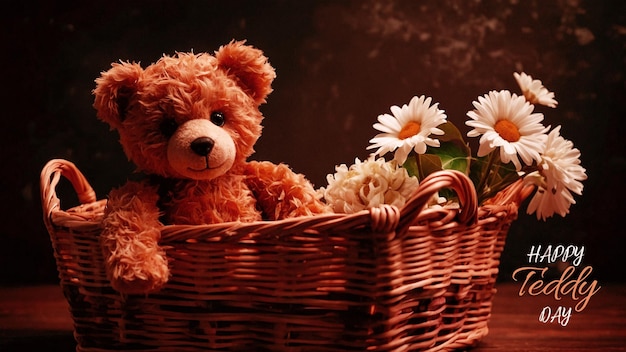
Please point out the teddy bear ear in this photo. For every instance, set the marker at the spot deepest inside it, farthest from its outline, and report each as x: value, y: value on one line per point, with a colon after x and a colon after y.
x: 113, y: 91
x: 250, y: 68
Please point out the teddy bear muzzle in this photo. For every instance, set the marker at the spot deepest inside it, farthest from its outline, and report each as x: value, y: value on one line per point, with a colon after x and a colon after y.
x: 202, y: 145
x: 200, y: 150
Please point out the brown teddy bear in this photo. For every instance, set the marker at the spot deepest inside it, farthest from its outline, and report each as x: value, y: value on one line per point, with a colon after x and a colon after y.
x: 189, y: 122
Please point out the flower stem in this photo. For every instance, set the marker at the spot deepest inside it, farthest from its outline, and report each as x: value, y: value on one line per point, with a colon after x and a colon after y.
x: 494, y: 172
x: 488, y: 175
x: 420, y: 172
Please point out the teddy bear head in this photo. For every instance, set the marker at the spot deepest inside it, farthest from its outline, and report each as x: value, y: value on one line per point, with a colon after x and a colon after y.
x: 191, y: 116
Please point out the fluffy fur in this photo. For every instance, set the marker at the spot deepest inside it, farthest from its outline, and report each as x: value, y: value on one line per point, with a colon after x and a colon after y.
x: 189, y: 122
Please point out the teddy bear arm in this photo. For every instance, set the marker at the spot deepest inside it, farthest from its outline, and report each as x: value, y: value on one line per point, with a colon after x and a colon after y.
x: 282, y: 193
x: 135, y: 262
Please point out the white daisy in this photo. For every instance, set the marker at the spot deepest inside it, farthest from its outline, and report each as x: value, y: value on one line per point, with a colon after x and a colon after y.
x: 507, y: 122
x: 560, y: 162
x: 561, y: 174
x: 534, y: 91
x: 408, y: 129
x: 546, y: 202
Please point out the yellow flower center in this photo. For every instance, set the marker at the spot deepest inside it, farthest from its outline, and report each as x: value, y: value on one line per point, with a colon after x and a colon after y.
x: 507, y: 130
x: 409, y: 130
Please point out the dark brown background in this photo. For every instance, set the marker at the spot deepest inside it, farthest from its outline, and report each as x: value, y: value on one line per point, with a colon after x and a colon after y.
x: 339, y: 65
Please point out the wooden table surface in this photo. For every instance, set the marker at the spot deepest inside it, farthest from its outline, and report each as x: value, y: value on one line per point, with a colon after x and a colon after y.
x: 37, y: 319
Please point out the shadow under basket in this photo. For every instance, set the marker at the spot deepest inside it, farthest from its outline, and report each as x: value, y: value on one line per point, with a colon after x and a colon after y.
x: 385, y: 279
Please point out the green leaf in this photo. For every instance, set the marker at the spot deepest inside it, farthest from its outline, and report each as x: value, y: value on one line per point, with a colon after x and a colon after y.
x: 422, y: 165
x: 493, y: 175
x: 454, y: 156
x: 429, y: 164
x: 450, y: 133
x: 411, y: 165
x: 454, y: 153
x: 478, y: 168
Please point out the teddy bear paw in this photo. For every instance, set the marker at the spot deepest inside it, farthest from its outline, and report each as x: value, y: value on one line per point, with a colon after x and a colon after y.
x: 141, y: 278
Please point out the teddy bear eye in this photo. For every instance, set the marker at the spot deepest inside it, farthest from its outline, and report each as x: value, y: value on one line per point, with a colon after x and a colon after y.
x: 218, y: 118
x: 168, y: 127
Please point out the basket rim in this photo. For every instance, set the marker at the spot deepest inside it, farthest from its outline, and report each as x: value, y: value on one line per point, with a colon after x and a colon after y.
x: 385, y: 218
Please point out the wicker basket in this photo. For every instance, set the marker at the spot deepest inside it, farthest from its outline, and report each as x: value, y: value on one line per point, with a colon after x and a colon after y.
x: 382, y: 280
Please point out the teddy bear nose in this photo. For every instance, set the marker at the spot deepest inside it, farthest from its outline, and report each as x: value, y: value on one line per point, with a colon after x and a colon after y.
x: 202, y: 146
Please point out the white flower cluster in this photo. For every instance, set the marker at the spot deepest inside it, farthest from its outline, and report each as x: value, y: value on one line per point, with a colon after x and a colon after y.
x: 510, y: 132
x: 501, y: 115
x: 559, y: 174
x: 366, y: 184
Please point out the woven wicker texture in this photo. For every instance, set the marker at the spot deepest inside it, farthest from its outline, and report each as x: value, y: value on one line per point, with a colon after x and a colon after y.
x: 387, y: 279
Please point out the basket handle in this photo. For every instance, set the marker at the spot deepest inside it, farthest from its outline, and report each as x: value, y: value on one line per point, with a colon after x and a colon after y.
x: 50, y: 176
x: 434, y: 182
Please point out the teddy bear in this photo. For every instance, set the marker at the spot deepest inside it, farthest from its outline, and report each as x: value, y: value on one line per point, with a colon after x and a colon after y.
x: 189, y: 123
